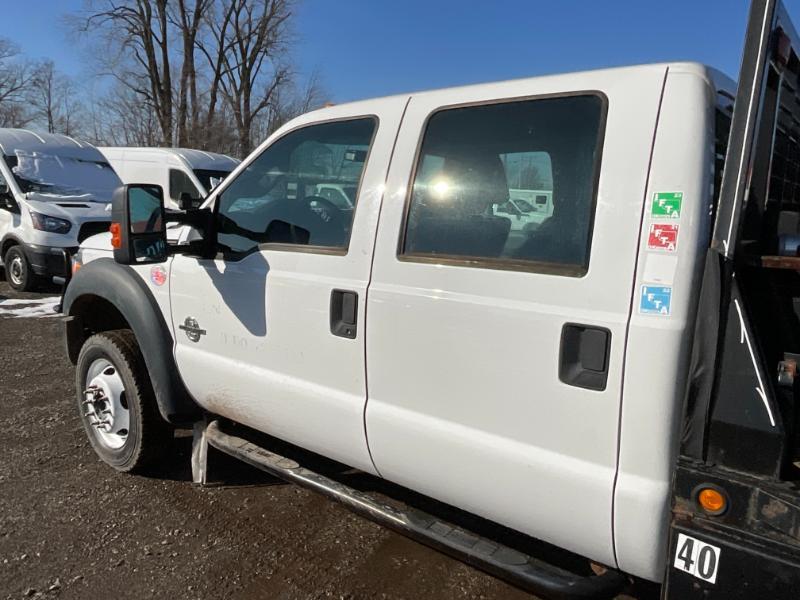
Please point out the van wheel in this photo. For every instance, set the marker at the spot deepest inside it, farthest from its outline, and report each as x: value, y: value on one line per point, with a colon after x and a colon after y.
x: 117, y: 404
x: 19, y: 274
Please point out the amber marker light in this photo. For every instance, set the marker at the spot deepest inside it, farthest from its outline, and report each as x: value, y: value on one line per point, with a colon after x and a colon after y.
x: 712, y: 501
x: 116, y: 235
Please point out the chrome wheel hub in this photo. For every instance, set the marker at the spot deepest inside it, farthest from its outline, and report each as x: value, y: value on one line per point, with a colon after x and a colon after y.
x: 105, y: 404
x: 15, y: 270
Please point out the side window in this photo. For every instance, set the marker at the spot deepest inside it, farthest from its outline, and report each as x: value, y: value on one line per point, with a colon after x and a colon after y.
x: 301, y: 190
x: 6, y: 199
x: 179, y: 183
x: 508, y: 185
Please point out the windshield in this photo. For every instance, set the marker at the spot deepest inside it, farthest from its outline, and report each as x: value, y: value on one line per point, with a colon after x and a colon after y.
x: 62, y: 175
x: 210, y: 178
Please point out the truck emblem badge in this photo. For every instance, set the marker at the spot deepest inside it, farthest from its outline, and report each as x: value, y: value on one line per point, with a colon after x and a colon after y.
x: 663, y: 236
x: 656, y: 300
x: 192, y: 329
x: 667, y: 204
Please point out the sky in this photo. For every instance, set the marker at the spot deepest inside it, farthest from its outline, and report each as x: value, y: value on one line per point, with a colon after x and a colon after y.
x: 367, y: 48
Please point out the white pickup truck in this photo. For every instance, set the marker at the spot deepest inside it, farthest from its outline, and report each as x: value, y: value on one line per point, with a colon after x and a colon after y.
x: 617, y: 381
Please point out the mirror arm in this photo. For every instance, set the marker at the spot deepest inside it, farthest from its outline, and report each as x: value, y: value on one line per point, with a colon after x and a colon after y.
x: 199, y: 218
x: 202, y: 220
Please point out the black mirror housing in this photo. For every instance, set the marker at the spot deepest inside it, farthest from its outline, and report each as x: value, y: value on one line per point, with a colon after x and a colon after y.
x: 188, y: 202
x: 138, y: 228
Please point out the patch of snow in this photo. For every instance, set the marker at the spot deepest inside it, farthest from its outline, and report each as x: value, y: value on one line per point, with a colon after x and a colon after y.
x: 29, y: 308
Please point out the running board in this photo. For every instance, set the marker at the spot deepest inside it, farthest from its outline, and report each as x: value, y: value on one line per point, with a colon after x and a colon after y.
x: 521, y: 570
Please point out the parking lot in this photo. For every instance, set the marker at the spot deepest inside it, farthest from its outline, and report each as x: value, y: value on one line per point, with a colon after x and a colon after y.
x: 72, y: 528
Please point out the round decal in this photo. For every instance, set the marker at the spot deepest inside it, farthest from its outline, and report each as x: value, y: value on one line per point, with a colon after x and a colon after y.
x: 158, y: 275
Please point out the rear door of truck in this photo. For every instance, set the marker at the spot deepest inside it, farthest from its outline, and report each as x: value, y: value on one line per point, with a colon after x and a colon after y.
x: 495, y: 352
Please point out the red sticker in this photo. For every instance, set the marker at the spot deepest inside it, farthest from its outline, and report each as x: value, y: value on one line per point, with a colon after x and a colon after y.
x: 663, y: 236
x: 158, y: 275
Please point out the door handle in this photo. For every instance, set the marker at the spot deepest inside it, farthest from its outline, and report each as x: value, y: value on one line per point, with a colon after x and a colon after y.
x: 584, y: 356
x: 344, y: 313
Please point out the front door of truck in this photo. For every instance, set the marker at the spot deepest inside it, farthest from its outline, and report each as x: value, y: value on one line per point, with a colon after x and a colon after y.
x: 271, y: 332
x: 495, y: 352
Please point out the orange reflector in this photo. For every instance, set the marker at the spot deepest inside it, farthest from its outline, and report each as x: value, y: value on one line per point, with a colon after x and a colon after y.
x: 116, y: 235
x: 711, y: 500
x: 75, y: 266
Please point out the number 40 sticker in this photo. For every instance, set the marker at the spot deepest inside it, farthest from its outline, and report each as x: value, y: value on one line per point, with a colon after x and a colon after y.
x: 696, y: 557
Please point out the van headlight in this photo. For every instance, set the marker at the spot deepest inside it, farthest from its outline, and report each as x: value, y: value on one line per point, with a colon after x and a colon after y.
x: 50, y: 224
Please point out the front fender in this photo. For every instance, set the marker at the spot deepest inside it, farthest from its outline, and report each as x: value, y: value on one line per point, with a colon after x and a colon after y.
x: 103, y: 282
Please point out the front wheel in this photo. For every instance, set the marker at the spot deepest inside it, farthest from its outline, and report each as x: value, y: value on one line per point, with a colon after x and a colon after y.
x: 117, y: 404
x: 19, y: 274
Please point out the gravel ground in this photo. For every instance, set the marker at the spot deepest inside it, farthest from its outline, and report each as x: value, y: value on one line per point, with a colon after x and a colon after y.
x: 71, y: 527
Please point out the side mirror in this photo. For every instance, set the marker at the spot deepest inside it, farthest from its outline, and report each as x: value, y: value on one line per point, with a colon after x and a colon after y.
x: 6, y: 199
x: 138, y: 228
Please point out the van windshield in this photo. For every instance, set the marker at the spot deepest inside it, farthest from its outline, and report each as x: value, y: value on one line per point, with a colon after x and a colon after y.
x: 210, y: 178
x: 55, y: 175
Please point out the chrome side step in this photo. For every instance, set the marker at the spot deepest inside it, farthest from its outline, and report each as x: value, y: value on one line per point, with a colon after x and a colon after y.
x: 521, y: 570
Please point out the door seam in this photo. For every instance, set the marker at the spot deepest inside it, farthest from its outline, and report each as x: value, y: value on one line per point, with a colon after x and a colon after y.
x: 369, y: 283
x: 630, y: 317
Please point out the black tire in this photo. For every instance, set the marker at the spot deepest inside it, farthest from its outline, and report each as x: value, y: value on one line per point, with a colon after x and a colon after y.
x: 19, y: 274
x: 149, y: 438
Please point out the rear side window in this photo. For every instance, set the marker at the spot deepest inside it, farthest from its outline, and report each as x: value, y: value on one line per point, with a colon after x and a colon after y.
x: 180, y: 183
x: 300, y: 191
x: 509, y: 185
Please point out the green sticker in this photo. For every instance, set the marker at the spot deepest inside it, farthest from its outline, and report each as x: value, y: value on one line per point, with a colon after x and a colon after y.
x: 667, y: 204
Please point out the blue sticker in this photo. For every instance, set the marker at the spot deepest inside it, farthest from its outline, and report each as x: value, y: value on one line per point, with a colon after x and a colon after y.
x: 656, y: 299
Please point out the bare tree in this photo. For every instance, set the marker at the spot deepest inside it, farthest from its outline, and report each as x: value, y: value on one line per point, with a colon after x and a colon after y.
x: 43, y: 94
x: 290, y: 101
x: 53, y: 99
x: 214, y: 74
x: 247, y: 55
x: 214, y: 46
x: 122, y: 119
x: 188, y: 20
x: 14, y: 80
x: 140, y: 29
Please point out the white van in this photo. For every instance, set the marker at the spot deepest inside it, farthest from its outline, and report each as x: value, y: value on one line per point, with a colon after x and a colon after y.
x: 176, y: 170
x: 55, y: 191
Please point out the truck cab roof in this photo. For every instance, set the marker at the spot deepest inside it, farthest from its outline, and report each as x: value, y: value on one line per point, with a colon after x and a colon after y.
x: 722, y: 83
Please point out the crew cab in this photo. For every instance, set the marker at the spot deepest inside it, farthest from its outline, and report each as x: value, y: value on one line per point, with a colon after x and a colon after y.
x: 610, y: 380
x: 55, y: 191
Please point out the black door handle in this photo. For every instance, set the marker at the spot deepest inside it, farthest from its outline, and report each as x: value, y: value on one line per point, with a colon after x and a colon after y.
x: 344, y: 313
x: 584, y: 356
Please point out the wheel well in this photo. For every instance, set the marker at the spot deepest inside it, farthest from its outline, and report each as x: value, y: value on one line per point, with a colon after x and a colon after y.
x: 93, y: 314
x: 6, y: 245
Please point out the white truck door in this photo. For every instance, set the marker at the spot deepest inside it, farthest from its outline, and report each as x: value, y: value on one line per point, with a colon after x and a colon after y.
x: 494, y: 355
x: 271, y: 332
